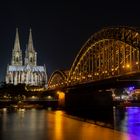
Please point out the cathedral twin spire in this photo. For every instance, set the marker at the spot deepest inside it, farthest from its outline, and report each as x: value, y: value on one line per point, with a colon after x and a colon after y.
x: 30, y: 54
x: 17, y: 44
x: 16, y: 53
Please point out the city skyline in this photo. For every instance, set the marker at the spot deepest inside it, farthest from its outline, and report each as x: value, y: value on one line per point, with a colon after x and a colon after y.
x: 59, y: 28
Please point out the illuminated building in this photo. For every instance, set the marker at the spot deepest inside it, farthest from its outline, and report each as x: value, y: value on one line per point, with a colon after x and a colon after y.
x: 26, y: 72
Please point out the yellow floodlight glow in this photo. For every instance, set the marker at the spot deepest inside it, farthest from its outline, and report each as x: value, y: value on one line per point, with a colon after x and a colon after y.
x: 128, y: 66
x: 61, y: 95
x: 106, y: 71
x: 137, y: 63
x: 89, y: 75
x: 33, y: 97
x: 49, y: 97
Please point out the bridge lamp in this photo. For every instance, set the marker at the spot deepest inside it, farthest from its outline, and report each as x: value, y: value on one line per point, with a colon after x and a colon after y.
x: 5, y: 96
x: 112, y: 69
x: 33, y: 97
x: 96, y: 73
x: 137, y: 63
x: 49, y: 97
x: 83, y: 77
x: 89, y: 75
x: 128, y: 66
x: 123, y: 66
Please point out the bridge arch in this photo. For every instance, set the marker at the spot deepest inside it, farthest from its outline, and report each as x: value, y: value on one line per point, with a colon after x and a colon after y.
x: 108, y: 53
x: 57, y: 79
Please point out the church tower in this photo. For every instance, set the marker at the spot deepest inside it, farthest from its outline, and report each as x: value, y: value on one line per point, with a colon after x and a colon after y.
x: 28, y: 73
x: 16, y: 53
x: 30, y: 53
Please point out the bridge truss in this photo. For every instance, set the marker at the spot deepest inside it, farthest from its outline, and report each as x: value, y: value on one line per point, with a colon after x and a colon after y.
x: 111, y: 52
x: 108, y: 53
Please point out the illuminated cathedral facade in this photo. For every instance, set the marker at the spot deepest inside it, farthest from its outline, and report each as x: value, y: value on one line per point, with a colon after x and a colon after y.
x: 25, y: 71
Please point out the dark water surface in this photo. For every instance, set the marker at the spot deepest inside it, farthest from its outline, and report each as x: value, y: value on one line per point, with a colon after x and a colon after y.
x: 57, y: 125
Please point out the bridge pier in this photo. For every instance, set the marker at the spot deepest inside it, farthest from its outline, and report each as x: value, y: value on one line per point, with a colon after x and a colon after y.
x: 88, y: 100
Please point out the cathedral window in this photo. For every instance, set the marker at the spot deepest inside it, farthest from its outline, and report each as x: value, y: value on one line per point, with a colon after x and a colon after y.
x: 31, y: 59
x: 17, y: 59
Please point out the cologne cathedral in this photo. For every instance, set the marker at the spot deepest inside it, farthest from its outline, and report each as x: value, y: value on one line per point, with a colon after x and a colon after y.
x: 26, y: 72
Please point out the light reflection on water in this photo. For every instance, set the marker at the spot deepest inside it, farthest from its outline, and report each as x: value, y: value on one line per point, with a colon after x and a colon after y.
x: 128, y: 120
x: 56, y: 125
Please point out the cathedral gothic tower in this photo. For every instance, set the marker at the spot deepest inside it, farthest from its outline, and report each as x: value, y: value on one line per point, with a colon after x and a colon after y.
x: 16, y: 53
x: 30, y: 53
x: 28, y: 73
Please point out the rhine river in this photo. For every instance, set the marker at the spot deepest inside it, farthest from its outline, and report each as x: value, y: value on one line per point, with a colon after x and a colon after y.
x: 57, y: 125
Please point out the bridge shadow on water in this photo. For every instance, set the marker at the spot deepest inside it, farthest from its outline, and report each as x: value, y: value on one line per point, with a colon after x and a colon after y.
x: 103, y: 118
x: 106, y: 118
x: 90, y: 105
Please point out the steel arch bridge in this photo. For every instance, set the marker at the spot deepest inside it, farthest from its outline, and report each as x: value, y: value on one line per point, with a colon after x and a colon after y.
x: 57, y: 79
x: 111, y: 52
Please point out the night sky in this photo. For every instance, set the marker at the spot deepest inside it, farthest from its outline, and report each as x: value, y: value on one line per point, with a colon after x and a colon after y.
x: 59, y: 28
